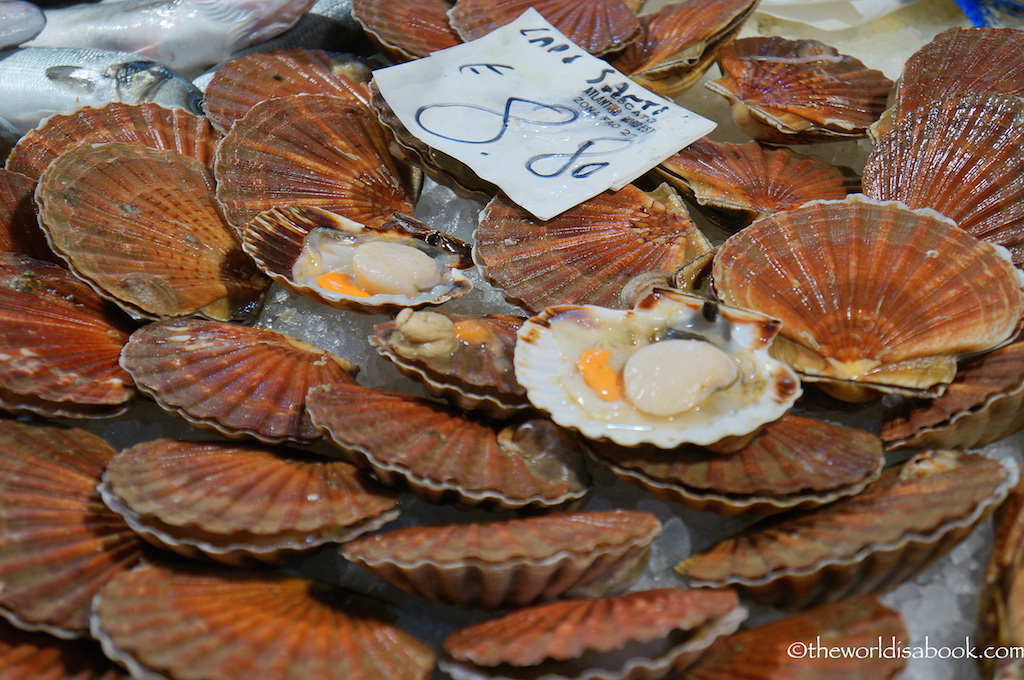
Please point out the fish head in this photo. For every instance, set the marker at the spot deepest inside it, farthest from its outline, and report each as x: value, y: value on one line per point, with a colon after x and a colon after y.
x: 149, y: 81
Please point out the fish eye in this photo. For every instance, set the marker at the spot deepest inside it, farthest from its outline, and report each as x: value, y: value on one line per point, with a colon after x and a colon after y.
x: 194, y: 104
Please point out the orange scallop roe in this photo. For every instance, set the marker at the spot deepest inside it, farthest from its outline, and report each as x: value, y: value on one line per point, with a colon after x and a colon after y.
x: 340, y: 283
x: 471, y: 332
x: 593, y: 366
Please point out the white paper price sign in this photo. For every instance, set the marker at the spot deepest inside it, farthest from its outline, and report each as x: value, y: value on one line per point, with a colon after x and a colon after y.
x: 533, y: 113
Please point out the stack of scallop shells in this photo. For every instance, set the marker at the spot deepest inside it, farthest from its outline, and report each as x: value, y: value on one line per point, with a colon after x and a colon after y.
x: 140, y: 244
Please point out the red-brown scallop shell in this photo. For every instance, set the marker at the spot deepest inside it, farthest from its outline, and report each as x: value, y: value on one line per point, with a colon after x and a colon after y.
x: 406, y: 29
x: 223, y: 624
x: 237, y: 503
x: 515, y: 562
x: 38, y: 656
x: 19, y: 227
x: 142, y: 226
x: 1001, y: 598
x: 58, y: 542
x: 239, y: 381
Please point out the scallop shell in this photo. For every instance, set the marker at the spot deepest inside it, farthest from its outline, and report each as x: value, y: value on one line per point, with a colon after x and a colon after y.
x: 221, y: 624
x: 143, y: 228
x: 793, y: 463
x: 242, y: 83
x: 644, y: 635
x: 43, y: 657
x: 443, y: 455
x: 309, y: 149
x: 279, y: 238
x: 871, y: 295
x: 51, y: 514
x: 599, y: 26
x: 588, y: 253
x: 59, y: 342
x: 799, y: 91
x: 236, y: 503
x: 465, y: 358
x: 406, y: 29
x: 550, y: 345
x: 515, y: 562
x: 19, y: 228
x: 962, y: 157
x: 865, y: 544
x: 678, y: 43
x: 1000, y: 598
x: 147, y: 124
x: 239, y: 381
x: 734, y: 184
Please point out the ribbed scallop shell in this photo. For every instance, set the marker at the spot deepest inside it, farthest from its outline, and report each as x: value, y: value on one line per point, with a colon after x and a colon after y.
x: 734, y: 184
x: 871, y: 295
x: 962, y: 156
x: 240, y: 381
x: 678, y: 43
x: 598, y: 26
x: 465, y: 358
x: 794, y: 462
x: 58, y: 542
x: 868, y: 543
x: 19, y: 228
x: 1001, y: 596
x: 308, y: 149
x: 145, y: 124
x: 239, y: 502
x: 38, y: 656
x: 442, y: 454
x: 221, y: 624
x: 276, y: 238
x: 242, y: 83
x: 799, y: 91
x: 59, y: 342
x: 515, y: 562
x: 142, y: 226
x: 644, y: 635
x: 406, y: 29
x: 586, y: 254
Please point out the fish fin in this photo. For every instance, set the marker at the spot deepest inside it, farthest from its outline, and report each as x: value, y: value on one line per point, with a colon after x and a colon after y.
x: 74, y: 78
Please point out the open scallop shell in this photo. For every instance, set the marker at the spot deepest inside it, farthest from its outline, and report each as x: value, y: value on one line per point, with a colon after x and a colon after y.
x: 872, y: 295
x: 146, y: 124
x: 962, y: 157
x: 309, y: 149
x: 799, y: 91
x: 239, y: 381
x: 58, y: 542
x: 551, y: 344
x: 297, y: 244
x: 869, y: 543
x: 19, y: 227
x: 587, y: 254
x: 60, y: 343
x: 43, y: 657
x: 142, y: 226
x: 406, y: 29
x: 644, y: 635
x: 515, y: 562
x: 465, y: 358
x: 222, y: 624
x: 793, y: 463
x: 237, y: 503
x: 443, y: 455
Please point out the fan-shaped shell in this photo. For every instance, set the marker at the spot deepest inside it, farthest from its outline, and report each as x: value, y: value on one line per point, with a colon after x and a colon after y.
x: 599, y: 26
x: 440, y: 453
x: 146, y: 124
x: 222, y: 624
x: 240, y: 381
x: 142, y: 226
x: 19, y: 228
x: 308, y: 149
x: 466, y: 358
x: 794, y: 462
x: 58, y: 542
x: 1000, y: 598
x: 870, y: 294
x: 238, y: 502
x: 43, y: 657
x: 515, y: 562
x: 799, y: 91
x: 963, y: 157
x: 242, y: 83
x: 59, y: 342
x: 864, y: 544
x: 645, y: 635
x: 588, y: 253
x: 406, y: 29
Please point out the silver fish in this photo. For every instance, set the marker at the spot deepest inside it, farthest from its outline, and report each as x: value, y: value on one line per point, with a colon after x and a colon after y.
x: 20, y: 21
x: 36, y: 82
